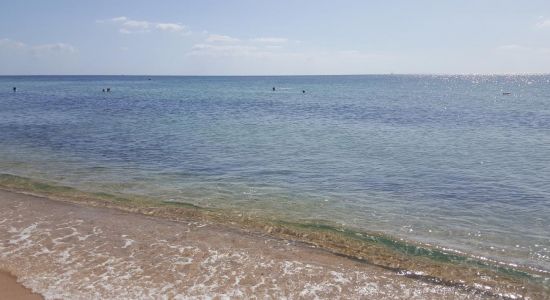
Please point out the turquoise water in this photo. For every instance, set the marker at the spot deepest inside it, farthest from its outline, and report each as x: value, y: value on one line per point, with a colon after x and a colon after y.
x: 445, y: 160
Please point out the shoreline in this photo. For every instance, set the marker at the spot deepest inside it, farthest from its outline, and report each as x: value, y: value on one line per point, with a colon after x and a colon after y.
x: 10, y: 288
x: 339, y: 243
x: 68, y: 250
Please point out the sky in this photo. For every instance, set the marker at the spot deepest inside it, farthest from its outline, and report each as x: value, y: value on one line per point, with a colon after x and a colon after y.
x: 283, y: 37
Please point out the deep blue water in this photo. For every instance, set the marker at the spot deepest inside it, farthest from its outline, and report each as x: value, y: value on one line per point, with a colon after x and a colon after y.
x: 447, y: 160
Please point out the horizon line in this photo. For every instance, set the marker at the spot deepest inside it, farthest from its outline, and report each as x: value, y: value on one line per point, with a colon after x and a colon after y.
x: 285, y: 75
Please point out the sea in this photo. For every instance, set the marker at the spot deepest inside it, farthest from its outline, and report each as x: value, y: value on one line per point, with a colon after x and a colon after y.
x: 455, y: 163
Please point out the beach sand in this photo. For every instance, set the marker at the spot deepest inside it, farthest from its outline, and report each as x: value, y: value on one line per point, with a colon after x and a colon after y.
x: 73, y: 251
x: 11, y: 289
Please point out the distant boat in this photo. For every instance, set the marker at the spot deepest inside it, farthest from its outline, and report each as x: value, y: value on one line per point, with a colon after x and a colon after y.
x: 506, y: 93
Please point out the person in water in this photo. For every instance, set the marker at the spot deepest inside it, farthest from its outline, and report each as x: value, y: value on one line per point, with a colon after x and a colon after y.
x: 274, y: 89
x: 14, y: 89
x: 103, y: 90
x: 108, y: 89
x: 303, y: 91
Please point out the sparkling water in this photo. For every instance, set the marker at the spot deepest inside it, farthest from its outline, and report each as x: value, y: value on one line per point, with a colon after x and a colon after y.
x: 453, y: 161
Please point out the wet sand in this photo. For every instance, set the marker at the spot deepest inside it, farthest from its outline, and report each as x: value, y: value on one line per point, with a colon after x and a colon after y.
x: 72, y: 251
x: 11, y: 289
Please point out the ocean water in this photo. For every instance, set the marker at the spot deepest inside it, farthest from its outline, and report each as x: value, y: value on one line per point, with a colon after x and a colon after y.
x: 445, y: 160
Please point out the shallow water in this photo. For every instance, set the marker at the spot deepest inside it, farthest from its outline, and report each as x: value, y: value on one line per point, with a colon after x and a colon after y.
x: 444, y: 160
x: 67, y: 251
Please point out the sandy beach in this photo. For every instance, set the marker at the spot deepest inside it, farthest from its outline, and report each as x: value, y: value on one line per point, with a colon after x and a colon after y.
x: 11, y: 289
x: 71, y: 251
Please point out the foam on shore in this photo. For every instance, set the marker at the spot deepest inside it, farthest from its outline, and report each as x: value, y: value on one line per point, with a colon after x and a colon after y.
x: 424, y: 264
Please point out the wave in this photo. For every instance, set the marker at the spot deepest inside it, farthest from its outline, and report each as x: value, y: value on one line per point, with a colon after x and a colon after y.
x: 425, y: 262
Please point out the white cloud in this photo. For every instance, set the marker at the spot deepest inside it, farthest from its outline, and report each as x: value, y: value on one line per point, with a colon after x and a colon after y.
x: 118, y: 19
x: 217, y: 45
x: 7, y: 43
x: 38, y: 50
x: 173, y: 27
x: 512, y: 47
x: 55, y: 47
x: 138, y: 25
x: 542, y: 24
x: 270, y: 40
x: 259, y: 59
x: 213, y: 38
x: 129, y: 26
x: 276, y: 57
x: 273, y: 47
x: 222, y: 50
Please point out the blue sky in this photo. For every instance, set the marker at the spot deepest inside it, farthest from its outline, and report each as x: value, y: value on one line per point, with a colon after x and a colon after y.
x: 246, y: 37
